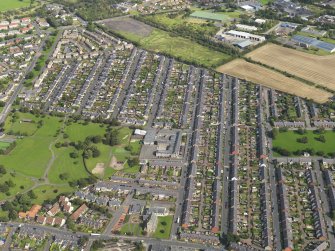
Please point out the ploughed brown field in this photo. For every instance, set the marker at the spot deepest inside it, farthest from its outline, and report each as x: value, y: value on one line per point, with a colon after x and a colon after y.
x: 317, y: 69
x: 260, y: 75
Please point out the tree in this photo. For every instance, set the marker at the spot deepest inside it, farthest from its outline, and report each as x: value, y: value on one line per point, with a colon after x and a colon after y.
x: 32, y: 195
x: 97, y: 244
x: 332, y: 215
x: 95, y: 153
x: 274, y: 133
x: 322, y: 138
x: 303, y: 140
x: 74, y: 155
x: 4, y: 188
x: 301, y: 131
x: 82, y: 241
x: 12, y: 215
x: 133, y: 162
x: 2, y: 169
x: 64, y: 176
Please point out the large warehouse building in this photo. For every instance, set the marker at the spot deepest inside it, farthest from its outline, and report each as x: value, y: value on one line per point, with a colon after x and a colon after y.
x: 308, y: 41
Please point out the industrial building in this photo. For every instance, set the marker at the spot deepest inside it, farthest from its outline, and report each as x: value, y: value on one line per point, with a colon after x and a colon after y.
x: 313, y: 42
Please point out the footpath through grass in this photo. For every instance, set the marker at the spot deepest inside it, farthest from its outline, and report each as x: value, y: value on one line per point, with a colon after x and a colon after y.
x: 289, y: 141
x: 47, y: 144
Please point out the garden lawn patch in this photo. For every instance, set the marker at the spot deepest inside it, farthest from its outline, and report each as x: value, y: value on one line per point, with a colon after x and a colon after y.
x: 166, y: 229
x: 288, y: 140
x: 4, y: 145
x: 132, y: 228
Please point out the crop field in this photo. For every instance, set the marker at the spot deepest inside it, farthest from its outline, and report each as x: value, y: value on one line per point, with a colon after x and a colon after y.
x: 317, y: 69
x: 272, y: 79
x: 161, y: 41
x: 13, y: 4
x: 288, y: 141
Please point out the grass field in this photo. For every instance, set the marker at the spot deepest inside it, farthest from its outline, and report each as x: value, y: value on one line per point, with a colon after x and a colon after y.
x: 34, y: 153
x: 261, y: 75
x: 317, y: 69
x: 13, y: 4
x: 132, y: 228
x: 157, y: 40
x: 211, y: 16
x: 31, y: 154
x: 46, y: 192
x: 20, y: 127
x: 163, y: 231
x: 288, y: 141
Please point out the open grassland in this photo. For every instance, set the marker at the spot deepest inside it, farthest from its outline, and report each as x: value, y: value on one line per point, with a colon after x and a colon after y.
x: 160, y: 41
x: 6, y: 5
x: 261, y: 75
x: 316, y: 69
x: 44, y: 158
x: 288, y: 140
x: 31, y: 154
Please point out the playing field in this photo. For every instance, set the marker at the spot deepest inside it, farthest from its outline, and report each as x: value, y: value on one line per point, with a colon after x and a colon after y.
x: 157, y: 40
x: 317, y: 69
x: 261, y: 75
x: 288, y: 141
x: 13, y: 4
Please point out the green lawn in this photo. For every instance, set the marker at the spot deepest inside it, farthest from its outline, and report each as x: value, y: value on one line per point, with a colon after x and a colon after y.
x: 4, y: 145
x: 46, y: 192
x: 21, y: 182
x: 134, y: 229
x: 31, y: 154
x: 79, y: 131
x: 160, y: 41
x: 18, y: 126
x: 13, y: 4
x: 288, y: 141
x: 166, y: 229
x: 74, y: 168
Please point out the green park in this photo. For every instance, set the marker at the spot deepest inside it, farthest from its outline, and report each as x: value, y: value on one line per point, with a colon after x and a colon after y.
x: 55, y: 155
x: 13, y: 4
x: 296, y: 142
